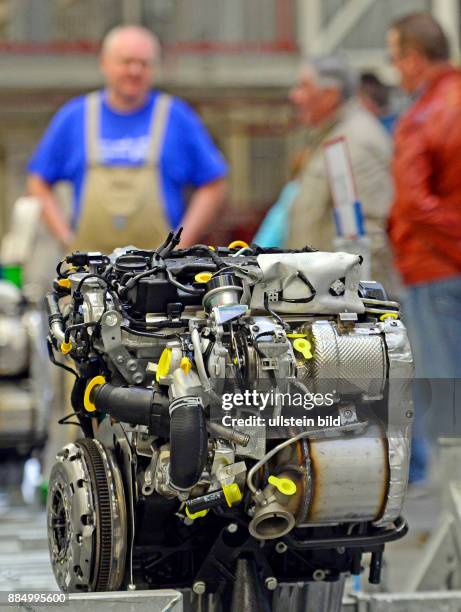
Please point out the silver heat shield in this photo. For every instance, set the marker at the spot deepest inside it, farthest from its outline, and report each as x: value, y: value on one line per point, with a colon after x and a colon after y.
x: 346, y: 362
x: 281, y: 274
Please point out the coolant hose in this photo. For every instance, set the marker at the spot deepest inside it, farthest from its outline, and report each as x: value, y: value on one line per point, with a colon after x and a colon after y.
x: 184, y: 422
x: 133, y: 405
x: 55, y: 319
x: 188, y: 442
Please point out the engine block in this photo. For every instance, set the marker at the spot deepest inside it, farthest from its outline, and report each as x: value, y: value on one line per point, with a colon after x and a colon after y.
x: 234, y: 402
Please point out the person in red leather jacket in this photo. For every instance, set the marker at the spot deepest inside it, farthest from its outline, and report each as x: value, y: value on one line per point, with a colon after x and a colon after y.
x: 425, y: 220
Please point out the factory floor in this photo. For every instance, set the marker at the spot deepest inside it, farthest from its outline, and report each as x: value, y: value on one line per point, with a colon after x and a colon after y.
x: 24, y: 561
x: 24, y: 558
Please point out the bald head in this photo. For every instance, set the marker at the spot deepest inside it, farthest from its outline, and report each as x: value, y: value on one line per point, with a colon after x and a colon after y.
x: 128, y: 58
x: 125, y: 36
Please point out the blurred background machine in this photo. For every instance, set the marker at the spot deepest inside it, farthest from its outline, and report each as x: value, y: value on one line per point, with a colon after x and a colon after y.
x: 26, y: 391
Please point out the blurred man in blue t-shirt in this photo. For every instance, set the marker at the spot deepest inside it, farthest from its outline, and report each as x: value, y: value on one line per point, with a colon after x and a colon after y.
x: 129, y: 153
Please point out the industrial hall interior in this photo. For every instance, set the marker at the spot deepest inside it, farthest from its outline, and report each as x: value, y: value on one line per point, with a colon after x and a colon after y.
x: 230, y: 300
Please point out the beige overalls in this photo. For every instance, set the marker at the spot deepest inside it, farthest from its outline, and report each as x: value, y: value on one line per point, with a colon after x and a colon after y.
x: 122, y: 205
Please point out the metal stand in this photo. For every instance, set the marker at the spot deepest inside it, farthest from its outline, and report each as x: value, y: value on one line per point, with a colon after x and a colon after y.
x: 142, y: 601
x: 310, y: 597
x: 404, y: 602
x: 440, y: 566
x: 435, y: 583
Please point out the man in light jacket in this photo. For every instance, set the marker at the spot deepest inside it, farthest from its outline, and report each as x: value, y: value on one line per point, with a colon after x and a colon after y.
x: 324, y: 98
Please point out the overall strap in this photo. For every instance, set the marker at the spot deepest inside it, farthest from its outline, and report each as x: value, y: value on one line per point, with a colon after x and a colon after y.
x: 159, y: 121
x: 92, y: 127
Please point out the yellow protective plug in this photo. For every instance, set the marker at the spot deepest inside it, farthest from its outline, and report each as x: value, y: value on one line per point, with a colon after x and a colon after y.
x: 296, y: 336
x: 304, y: 347
x: 185, y: 365
x: 203, y: 277
x: 196, y: 515
x: 284, y: 485
x: 389, y: 315
x: 64, y: 282
x: 236, y: 244
x: 232, y: 494
x: 164, y: 363
x: 94, y: 382
x: 66, y: 347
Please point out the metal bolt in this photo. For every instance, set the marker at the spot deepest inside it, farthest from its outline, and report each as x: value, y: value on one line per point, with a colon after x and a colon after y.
x: 348, y: 413
x: 394, y: 323
x: 131, y: 587
x: 131, y: 365
x: 239, y: 437
x: 319, y: 575
x: 137, y: 378
x: 409, y: 414
x: 281, y: 548
x: 111, y: 319
x: 271, y: 583
x: 120, y: 359
x: 341, y: 550
x: 199, y: 587
x: 232, y: 527
x: 255, y: 328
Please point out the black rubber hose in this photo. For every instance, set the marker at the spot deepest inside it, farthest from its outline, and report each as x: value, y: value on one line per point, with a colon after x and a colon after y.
x: 186, y: 427
x: 376, y: 565
x: 188, y: 442
x: 134, y: 405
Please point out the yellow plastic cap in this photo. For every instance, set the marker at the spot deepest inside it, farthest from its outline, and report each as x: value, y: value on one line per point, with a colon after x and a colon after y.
x: 164, y: 363
x: 94, y: 382
x: 389, y: 315
x: 185, y: 365
x: 64, y: 282
x: 196, y: 515
x: 66, y: 347
x: 303, y: 346
x: 236, y: 244
x: 296, y: 336
x: 284, y: 485
x: 232, y: 494
x: 202, y: 277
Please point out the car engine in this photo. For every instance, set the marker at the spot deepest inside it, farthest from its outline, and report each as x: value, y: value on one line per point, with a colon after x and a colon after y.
x: 235, y: 403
